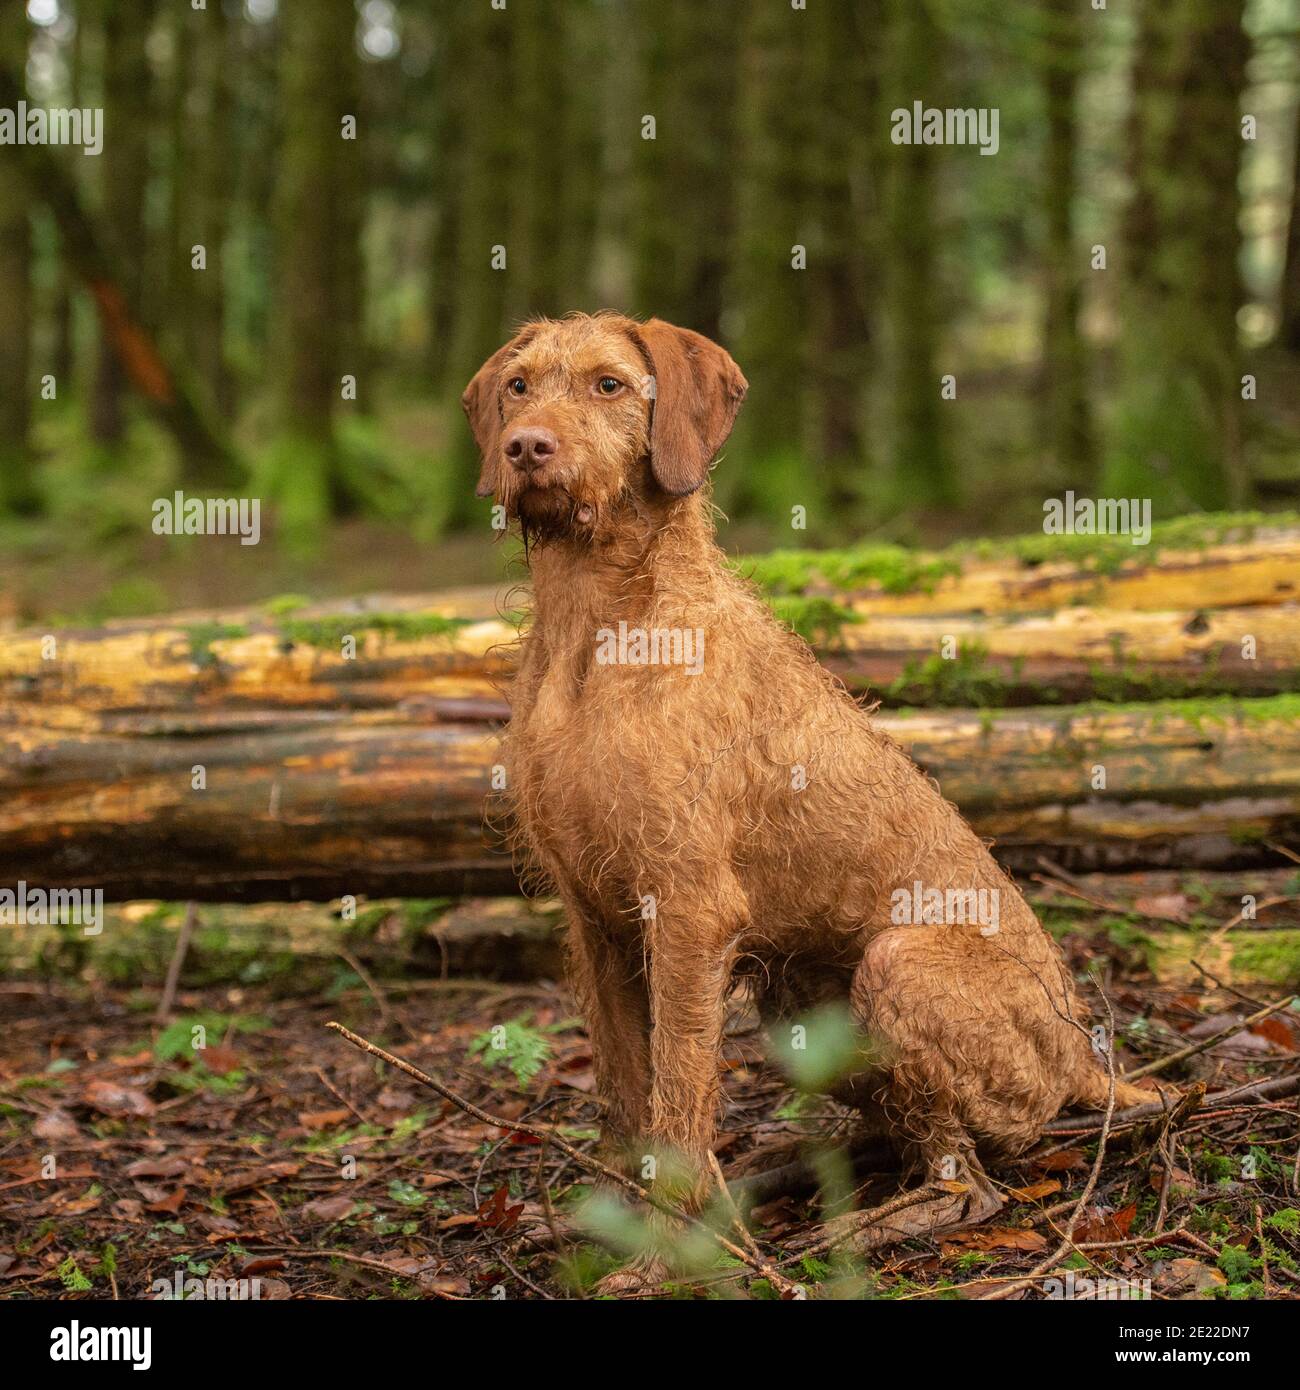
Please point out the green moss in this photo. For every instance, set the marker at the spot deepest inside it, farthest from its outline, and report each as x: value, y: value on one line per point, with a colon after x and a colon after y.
x: 817, y: 620
x: 894, y: 569
x: 405, y: 627
x: 282, y: 604
x: 1269, y: 956
x: 968, y: 679
x: 891, y: 568
x: 201, y: 636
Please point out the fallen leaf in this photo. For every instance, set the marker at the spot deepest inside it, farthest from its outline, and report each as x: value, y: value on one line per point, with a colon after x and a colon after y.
x: 1186, y: 1279
x: 56, y: 1125
x: 1276, y: 1032
x: 257, y: 1177
x: 1099, y: 1226
x: 322, y: 1119
x: 220, y: 1060
x: 995, y: 1238
x: 171, y: 1167
x: 1172, y: 905
x: 1062, y: 1162
x: 329, y: 1208
x: 451, y: 1223
x: 111, y: 1099
x: 1035, y: 1190
x: 170, y: 1204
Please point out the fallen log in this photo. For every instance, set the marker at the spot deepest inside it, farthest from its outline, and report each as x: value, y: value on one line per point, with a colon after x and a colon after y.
x: 1196, y: 563
x: 313, y: 803
x: 378, y: 652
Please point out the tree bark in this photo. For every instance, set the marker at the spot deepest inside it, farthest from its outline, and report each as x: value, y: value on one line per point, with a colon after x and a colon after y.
x: 318, y: 804
x: 16, y: 491
x: 1066, y: 423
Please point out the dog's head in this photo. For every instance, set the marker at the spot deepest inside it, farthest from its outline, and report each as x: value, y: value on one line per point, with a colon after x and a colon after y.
x: 575, y: 415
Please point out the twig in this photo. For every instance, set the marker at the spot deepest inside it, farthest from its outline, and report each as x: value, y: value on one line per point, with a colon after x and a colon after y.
x: 168, y: 1000
x: 295, y: 1252
x: 1228, y: 989
x: 338, y: 1095
x: 1067, y: 1239
x: 584, y: 1160
x: 1216, y: 936
x: 1258, y: 1090
x: 1206, y: 1043
x: 364, y: 975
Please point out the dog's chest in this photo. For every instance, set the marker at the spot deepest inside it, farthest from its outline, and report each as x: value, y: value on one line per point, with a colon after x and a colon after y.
x: 587, y: 782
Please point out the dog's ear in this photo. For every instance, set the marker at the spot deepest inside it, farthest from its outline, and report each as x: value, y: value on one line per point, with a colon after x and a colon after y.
x: 482, y: 408
x: 697, y: 392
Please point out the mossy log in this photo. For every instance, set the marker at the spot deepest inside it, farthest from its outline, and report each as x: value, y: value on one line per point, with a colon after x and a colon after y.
x: 269, y: 804
x: 382, y: 653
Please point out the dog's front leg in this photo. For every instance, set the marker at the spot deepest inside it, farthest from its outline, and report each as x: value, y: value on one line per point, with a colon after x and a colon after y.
x: 609, y: 978
x: 690, y: 964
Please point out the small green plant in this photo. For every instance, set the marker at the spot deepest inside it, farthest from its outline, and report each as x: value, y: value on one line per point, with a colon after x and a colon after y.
x: 72, y: 1278
x: 525, y: 1050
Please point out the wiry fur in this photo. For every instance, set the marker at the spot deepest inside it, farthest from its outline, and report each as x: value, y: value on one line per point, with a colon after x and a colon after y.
x: 628, y: 782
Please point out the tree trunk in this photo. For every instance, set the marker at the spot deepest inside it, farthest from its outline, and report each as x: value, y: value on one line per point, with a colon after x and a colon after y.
x: 921, y: 468
x: 16, y: 490
x: 486, y: 166
x: 1066, y: 425
x: 1289, y: 310
x: 124, y: 168
x: 769, y: 287
x: 317, y: 224
x: 1179, y: 424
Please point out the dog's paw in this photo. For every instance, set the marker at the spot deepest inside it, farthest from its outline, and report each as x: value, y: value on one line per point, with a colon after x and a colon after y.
x: 643, y: 1276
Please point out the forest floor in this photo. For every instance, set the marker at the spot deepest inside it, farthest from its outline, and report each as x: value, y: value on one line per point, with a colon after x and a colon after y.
x: 288, y: 1156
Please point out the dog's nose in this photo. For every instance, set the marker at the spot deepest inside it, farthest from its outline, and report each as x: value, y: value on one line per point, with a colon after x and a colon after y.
x: 530, y: 448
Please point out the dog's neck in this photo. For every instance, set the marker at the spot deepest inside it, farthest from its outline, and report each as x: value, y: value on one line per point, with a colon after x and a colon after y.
x: 659, y: 558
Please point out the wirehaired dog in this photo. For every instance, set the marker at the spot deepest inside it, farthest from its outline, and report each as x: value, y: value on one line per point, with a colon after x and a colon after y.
x: 737, y: 814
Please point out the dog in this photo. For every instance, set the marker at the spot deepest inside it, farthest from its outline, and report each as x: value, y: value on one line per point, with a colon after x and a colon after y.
x: 711, y: 805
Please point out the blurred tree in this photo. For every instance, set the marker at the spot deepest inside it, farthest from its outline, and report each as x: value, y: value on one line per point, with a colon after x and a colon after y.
x: 684, y: 177
x: 1289, y: 316
x: 16, y: 491
x: 842, y: 83
x: 920, y: 464
x: 769, y: 289
x: 124, y: 170
x: 1066, y: 418
x: 482, y: 94
x: 63, y: 327
x: 541, y: 210
x: 317, y: 221
x: 205, y: 187
x: 1178, y: 425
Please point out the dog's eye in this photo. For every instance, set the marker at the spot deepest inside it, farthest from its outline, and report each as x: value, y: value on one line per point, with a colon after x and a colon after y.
x: 609, y: 385
x: 517, y: 386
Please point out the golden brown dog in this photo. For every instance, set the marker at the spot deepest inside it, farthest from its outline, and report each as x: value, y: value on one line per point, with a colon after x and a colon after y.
x: 708, y: 801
